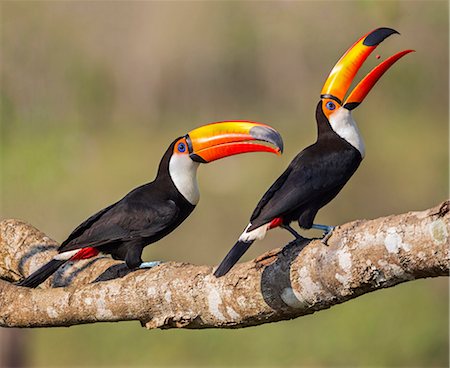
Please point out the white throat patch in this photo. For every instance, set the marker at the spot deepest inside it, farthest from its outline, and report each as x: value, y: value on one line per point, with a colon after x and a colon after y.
x: 183, y: 172
x: 342, y: 123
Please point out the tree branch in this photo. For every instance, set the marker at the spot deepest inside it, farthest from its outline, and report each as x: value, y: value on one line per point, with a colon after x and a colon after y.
x: 362, y: 256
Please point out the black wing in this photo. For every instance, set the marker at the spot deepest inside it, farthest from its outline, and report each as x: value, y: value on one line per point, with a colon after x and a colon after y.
x: 308, y: 177
x: 275, y: 187
x: 123, y: 221
x: 85, y: 225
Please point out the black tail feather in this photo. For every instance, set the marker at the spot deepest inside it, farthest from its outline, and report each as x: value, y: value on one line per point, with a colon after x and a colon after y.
x: 42, y: 274
x: 232, y: 257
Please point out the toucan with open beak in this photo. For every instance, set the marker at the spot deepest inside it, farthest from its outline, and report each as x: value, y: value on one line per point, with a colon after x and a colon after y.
x: 317, y: 174
x: 151, y: 211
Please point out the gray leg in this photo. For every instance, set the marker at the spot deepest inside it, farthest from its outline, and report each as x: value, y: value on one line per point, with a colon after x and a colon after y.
x: 327, y: 231
x: 292, y: 231
x: 149, y: 264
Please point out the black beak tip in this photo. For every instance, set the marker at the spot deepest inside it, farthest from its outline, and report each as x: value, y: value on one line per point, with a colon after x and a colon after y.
x: 267, y: 135
x: 378, y: 35
x: 351, y: 105
x: 196, y: 158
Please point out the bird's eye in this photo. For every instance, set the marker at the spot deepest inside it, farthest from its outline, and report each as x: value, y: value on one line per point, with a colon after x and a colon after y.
x: 330, y: 105
x: 181, y: 147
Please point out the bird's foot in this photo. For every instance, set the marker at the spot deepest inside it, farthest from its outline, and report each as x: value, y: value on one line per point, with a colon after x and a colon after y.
x: 152, y: 264
x: 327, y: 231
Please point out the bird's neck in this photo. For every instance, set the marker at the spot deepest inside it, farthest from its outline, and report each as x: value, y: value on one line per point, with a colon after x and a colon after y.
x: 341, y: 124
x: 344, y: 125
x: 183, y: 173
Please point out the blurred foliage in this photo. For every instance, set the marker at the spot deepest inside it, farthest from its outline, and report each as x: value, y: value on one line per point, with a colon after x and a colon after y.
x: 92, y: 92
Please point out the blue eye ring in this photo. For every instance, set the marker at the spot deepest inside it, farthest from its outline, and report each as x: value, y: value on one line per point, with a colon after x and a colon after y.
x: 330, y: 105
x: 181, y: 147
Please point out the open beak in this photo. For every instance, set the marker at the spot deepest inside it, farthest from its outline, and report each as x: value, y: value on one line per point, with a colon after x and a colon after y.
x: 217, y: 140
x: 343, y: 73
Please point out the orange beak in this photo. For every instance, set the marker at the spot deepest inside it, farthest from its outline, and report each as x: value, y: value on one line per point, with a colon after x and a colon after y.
x: 227, y: 138
x: 343, y: 73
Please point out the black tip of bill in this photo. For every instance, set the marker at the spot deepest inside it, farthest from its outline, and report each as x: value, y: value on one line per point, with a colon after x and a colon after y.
x: 197, y: 158
x: 378, y: 35
x: 351, y: 105
x: 267, y: 135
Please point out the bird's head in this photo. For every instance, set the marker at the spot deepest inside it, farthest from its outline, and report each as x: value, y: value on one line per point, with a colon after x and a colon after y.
x: 215, y: 141
x: 228, y: 138
x: 333, y: 104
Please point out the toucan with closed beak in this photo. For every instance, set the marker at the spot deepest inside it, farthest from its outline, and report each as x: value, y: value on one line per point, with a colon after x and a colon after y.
x: 317, y: 174
x: 151, y: 211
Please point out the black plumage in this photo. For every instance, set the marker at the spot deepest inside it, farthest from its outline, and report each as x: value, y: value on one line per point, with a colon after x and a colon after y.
x: 123, y: 229
x: 312, y: 179
x: 143, y: 216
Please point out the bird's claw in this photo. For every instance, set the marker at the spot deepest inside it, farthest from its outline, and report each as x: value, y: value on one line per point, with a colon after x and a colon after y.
x: 327, y: 232
x: 152, y: 264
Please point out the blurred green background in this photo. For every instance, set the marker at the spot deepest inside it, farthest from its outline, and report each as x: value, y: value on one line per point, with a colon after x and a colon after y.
x: 93, y: 92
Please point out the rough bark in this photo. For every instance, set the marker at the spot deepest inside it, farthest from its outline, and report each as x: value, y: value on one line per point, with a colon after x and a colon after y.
x: 299, y: 279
